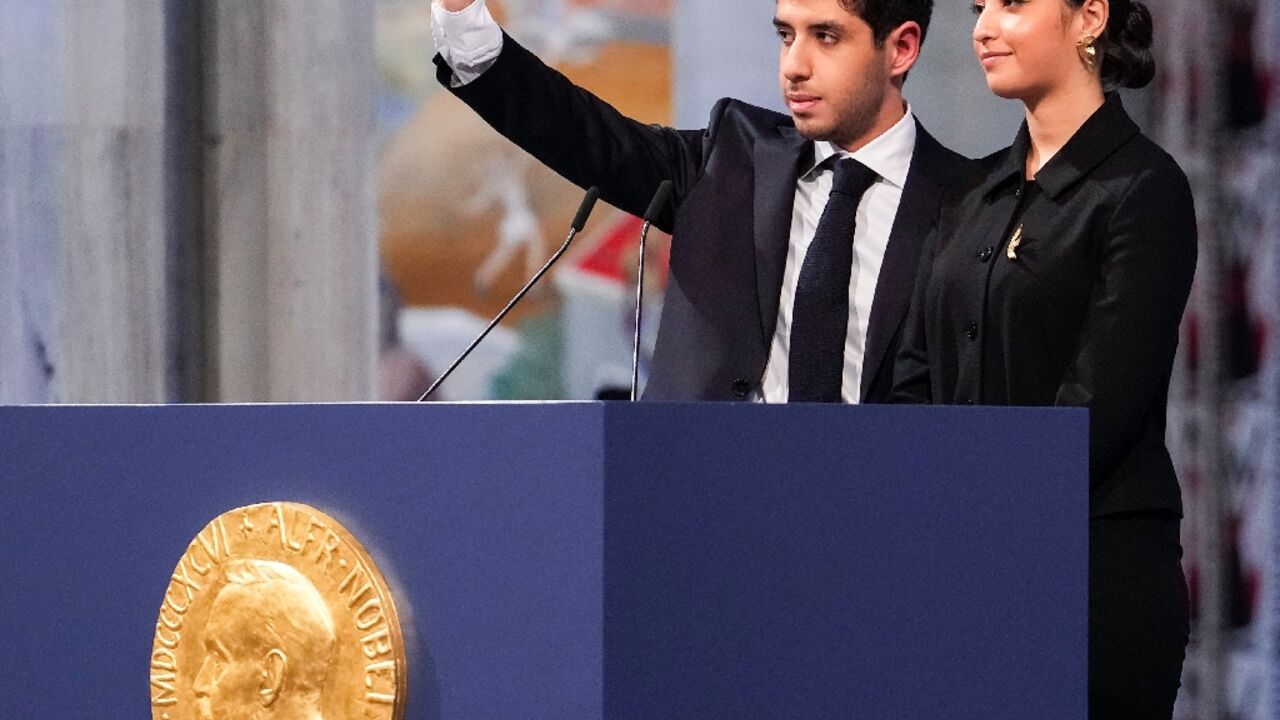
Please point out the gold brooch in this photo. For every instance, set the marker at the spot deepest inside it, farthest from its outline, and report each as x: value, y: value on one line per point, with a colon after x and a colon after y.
x: 1012, y: 251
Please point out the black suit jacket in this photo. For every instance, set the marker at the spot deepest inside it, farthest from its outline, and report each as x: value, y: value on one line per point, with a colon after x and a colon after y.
x: 730, y: 220
x: 1085, y: 314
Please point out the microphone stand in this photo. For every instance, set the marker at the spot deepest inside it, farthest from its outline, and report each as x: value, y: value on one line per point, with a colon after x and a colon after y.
x: 579, y: 221
x: 656, y: 206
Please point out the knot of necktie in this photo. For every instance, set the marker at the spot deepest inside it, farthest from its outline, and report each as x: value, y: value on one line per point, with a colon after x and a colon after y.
x: 852, y: 178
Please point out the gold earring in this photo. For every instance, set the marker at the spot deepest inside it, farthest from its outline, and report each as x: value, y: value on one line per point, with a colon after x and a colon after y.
x: 1088, y: 51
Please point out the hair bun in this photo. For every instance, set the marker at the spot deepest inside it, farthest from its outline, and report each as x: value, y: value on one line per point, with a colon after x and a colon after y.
x: 1138, y: 28
x: 1126, y: 51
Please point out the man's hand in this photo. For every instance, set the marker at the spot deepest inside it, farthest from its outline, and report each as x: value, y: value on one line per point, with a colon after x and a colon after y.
x: 455, y: 5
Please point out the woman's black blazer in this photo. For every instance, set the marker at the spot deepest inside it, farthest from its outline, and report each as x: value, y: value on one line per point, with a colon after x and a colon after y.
x: 1082, y: 311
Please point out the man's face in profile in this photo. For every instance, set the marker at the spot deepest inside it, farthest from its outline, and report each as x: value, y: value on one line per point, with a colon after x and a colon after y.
x: 268, y: 642
x: 228, y: 684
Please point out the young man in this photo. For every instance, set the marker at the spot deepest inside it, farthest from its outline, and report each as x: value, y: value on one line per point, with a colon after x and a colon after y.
x: 794, y: 239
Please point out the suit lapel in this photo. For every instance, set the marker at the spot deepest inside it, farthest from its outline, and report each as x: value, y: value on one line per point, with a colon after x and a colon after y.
x: 777, y: 167
x: 917, y: 212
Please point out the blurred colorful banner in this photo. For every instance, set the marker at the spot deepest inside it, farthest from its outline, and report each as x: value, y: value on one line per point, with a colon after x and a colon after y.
x: 467, y: 218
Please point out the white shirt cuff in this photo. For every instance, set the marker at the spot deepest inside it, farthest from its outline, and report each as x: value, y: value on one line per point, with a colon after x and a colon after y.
x: 469, y: 40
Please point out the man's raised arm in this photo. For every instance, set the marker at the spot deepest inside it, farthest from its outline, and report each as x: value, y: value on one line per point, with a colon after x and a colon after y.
x: 579, y: 136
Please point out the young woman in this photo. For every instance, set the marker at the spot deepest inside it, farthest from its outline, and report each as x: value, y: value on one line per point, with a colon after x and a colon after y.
x: 1059, y: 277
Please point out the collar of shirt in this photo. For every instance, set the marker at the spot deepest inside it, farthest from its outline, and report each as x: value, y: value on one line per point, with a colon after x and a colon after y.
x: 888, y: 155
x: 1106, y: 130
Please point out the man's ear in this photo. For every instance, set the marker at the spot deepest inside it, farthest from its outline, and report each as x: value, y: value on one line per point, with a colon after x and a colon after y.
x: 902, y: 47
x: 272, y: 677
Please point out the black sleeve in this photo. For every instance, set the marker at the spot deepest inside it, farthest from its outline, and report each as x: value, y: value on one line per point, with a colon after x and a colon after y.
x: 911, y: 379
x: 1147, y: 260
x: 580, y: 136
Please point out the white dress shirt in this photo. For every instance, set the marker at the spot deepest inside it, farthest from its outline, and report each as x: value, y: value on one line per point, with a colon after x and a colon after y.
x: 470, y: 41
x: 888, y: 156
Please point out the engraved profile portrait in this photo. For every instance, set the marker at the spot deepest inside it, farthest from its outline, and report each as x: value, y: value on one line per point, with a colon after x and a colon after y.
x: 269, y: 643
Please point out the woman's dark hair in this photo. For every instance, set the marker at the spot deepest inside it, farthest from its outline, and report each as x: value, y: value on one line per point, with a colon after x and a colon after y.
x: 1125, y: 46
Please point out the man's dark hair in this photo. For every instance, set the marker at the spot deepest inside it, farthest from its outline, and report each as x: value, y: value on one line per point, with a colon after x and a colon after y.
x: 884, y: 16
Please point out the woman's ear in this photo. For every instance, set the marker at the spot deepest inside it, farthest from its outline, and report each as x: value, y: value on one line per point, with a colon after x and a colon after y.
x: 1093, y: 16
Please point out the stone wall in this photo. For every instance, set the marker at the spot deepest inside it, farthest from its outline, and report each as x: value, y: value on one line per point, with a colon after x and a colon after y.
x: 187, y: 201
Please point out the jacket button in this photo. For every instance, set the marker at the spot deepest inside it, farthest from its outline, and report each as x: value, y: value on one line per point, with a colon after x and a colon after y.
x: 971, y: 331
x: 741, y: 388
x: 986, y: 254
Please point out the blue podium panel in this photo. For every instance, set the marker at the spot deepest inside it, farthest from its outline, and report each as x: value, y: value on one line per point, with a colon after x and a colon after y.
x: 885, y: 562
x: 585, y: 560
x: 486, y: 520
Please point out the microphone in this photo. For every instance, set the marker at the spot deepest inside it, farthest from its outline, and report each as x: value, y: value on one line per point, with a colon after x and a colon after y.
x: 656, y: 206
x: 579, y: 221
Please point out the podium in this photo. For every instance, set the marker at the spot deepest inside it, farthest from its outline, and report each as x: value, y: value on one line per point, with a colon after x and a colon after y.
x: 586, y: 560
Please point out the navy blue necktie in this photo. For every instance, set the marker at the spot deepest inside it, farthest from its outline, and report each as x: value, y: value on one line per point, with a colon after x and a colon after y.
x: 820, y: 315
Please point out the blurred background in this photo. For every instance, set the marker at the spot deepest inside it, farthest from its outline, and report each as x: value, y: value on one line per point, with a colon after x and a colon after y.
x: 274, y: 201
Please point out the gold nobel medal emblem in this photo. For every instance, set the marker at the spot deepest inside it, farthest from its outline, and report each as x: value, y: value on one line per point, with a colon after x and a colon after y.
x: 276, y: 611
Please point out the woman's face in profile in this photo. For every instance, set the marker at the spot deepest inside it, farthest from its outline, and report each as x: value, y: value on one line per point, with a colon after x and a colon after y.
x: 1027, y: 48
